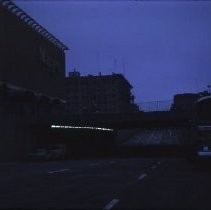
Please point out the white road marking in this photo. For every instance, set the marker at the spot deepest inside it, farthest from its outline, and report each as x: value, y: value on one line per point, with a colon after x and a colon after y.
x: 58, y: 171
x: 142, y: 176
x: 111, y: 204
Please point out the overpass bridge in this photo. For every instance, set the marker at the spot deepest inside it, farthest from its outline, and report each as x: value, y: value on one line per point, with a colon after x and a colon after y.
x: 117, y: 134
x: 129, y: 135
x: 158, y: 119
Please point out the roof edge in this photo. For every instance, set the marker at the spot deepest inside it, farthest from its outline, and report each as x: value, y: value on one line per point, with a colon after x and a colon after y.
x: 23, y: 16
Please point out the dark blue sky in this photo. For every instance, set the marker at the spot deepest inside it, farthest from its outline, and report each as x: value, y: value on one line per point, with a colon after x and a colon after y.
x: 165, y: 45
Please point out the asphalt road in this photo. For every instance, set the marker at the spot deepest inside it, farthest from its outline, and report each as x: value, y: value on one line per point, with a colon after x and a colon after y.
x: 105, y: 184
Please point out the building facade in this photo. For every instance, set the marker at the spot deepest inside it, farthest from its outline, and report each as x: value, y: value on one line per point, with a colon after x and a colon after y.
x: 98, y: 94
x: 32, y: 73
x: 184, y: 102
x: 31, y: 57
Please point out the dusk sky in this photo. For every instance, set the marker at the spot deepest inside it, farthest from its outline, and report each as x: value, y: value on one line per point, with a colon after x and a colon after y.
x: 162, y: 47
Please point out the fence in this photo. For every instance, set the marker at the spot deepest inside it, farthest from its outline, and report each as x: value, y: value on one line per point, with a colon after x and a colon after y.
x: 155, y: 106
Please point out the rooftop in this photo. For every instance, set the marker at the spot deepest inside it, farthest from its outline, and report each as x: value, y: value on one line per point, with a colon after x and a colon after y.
x: 76, y: 74
x: 14, y: 9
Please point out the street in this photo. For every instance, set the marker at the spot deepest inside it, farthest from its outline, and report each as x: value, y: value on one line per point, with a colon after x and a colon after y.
x: 135, y: 183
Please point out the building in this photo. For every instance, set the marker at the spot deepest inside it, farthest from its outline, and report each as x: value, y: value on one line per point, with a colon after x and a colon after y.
x: 184, y: 102
x: 99, y: 94
x: 32, y: 73
x: 31, y: 57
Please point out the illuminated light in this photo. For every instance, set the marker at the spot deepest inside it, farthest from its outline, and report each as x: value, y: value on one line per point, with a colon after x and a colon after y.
x: 55, y: 126
x: 81, y: 127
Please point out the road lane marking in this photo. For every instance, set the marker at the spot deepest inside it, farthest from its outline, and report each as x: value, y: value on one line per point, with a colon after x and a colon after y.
x: 58, y: 171
x: 142, y: 176
x: 111, y: 204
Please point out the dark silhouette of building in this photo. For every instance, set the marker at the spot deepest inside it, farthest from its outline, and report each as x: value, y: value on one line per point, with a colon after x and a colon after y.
x: 184, y: 102
x: 32, y: 73
x: 31, y: 57
x: 99, y: 94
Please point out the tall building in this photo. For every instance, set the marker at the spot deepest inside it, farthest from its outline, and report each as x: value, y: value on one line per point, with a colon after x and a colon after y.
x: 30, y: 56
x: 98, y: 94
x: 32, y: 73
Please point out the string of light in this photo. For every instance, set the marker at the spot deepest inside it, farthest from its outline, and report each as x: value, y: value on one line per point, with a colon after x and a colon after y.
x: 80, y: 127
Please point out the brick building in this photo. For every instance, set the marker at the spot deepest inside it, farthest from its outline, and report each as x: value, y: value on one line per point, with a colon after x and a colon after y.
x: 99, y: 94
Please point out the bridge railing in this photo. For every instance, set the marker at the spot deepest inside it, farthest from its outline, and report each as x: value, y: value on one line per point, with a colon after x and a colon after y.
x: 152, y: 106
